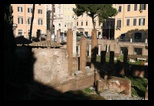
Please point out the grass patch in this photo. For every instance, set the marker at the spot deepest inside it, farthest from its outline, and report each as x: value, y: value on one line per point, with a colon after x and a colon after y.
x: 136, y: 63
x: 87, y: 90
x: 138, y: 86
x: 98, y: 59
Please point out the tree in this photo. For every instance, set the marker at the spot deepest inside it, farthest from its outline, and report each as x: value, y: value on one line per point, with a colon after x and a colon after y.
x: 9, y: 48
x: 31, y: 26
x: 103, y: 11
x: 9, y: 41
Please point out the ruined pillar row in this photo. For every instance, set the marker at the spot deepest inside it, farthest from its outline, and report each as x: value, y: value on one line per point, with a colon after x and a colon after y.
x: 83, y: 54
x: 70, y: 51
x: 94, y: 49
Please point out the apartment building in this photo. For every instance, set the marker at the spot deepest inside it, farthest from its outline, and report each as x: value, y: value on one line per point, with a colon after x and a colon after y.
x: 58, y: 18
x: 69, y: 17
x: 64, y: 18
x: 22, y: 15
x: 131, y: 22
x: 85, y: 26
x: 129, y: 27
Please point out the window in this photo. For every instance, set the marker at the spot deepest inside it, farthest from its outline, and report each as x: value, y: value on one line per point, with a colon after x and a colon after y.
x: 142, y: 6
x: 39, y: 11
x: 29, y: 20
x: 59, y: 24
x: 19, y: 9
x: 19, y: 32
x: 86, y: 23
x: 128, y: 22
x: 134, y: 22
x: 40, y: 21
x: 20, y: 20
x: 81, y: 23
x: 77, y: 23
x: 138, y: 51
x: 138, y: 37
x: 135, y: 7
x: 119, y: 23
x: 30, y: 10
x: 128, y: 7
x: 120, y: 8
x: 141, y: 21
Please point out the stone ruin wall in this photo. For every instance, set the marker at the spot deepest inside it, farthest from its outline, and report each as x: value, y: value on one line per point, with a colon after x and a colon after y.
x: 51, y: 69
x: 50, y: 66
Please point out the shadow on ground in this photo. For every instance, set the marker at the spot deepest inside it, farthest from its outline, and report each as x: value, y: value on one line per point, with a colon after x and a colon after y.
x: 19, y: 83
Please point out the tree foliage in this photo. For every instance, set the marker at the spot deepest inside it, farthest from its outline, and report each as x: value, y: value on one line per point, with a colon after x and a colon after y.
x: 9, y: 47
x: 9, y: 41
x: 102, y: 11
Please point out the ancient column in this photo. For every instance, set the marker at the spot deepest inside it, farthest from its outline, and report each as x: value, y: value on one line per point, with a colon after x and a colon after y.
x: 89, y: 50
x: 125, y: 56
x: 103, y: 57
x: 146, y: 41
x: 94, y: 44
x: 74, y: 43
x: 111, y: 60
x: 99, y: 50
x: 99, y: 86
x: 125, y: 61
x: 108, y: 47
x: 70, y: 50
x: 83, y: 54
x: 58, y: 36
x: 131, y: 40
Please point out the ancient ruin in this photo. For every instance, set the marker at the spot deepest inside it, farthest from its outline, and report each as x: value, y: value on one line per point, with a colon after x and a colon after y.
x: 57, y: 67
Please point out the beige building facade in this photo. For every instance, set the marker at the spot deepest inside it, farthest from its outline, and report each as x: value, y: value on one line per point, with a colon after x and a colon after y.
x: 85, y: 26
x: 68, y: 17
x: 131, y: 19
x: 22, y: 14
